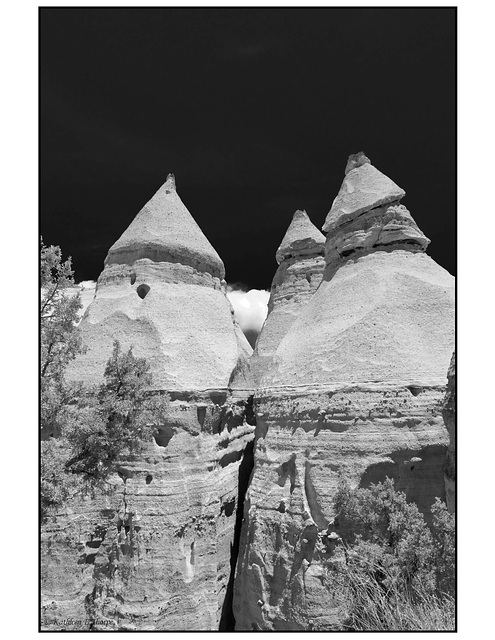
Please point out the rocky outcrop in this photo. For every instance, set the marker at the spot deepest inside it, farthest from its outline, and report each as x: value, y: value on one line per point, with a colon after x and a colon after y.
x: 152, y: 550
x: 355, y: 387
x: 301, y: 263
x: 450, y: 422
x: 162, y: 291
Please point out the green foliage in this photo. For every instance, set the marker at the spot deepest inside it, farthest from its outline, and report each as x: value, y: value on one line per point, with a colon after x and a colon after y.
x: 101, y: 427
x: 399, y: 573
x: 116, y: 419
x: 57, y: 486
x: 444, y: 543
x: 60, y: 338
x: 85, y: 431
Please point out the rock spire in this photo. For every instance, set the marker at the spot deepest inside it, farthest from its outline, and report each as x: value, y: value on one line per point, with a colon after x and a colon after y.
x: 355, y: 387
x: 152, y: 548
x: 301, y: 264
x: 162, y: 290
x: 363, y: 188
x: 165, y: 231
x: 302, y: 238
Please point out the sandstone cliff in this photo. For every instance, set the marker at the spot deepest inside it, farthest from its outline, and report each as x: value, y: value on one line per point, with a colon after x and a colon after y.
x: 301, y: 264
x: 449, y: 409
x: 355, y: 387
x: 153, y: 549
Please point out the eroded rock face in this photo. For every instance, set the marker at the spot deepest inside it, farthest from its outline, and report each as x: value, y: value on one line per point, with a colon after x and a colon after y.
x: 356, y: 387
x: 364, y: 188
x: 162, y: 291
x: 152, y: 550
x: 449, y: 419
x: 301, y: 262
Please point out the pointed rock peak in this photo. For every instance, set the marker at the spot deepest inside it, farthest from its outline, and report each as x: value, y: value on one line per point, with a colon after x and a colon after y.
x: 170, y: 182
x: 165, y: 231
x: 356, y: 160
x: 363, y: 188
x: 301, y: 238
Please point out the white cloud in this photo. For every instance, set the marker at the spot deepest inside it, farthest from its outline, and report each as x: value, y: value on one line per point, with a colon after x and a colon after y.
x: 87, y: 290
x: 250, y: 307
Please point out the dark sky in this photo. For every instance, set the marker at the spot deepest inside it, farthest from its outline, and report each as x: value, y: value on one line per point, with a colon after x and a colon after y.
x: 254, y: 110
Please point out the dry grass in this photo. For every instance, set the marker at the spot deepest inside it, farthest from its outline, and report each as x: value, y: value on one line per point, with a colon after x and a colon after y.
x: 373, y: 607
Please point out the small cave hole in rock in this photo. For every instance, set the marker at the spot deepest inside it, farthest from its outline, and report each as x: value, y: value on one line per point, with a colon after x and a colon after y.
x: 149, y: 478
x: 143, y: 290
x: 133, y: 277
x: 163, y: 435
x: 228, y: 507
x: 415, y: 390
x: 281, y: 507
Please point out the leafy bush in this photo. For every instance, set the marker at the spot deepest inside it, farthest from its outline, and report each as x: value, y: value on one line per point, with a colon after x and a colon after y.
x: 116, y: 419
x: 399, y: 574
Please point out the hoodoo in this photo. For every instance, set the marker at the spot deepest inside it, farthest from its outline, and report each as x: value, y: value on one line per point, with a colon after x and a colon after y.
x: 153, y: 549
x: 162, y: 291
x: 301, y: 263
x: 355, y: 387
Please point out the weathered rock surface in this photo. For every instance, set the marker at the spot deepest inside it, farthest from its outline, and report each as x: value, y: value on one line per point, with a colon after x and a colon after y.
x: 356, y: 387
x: 301, y: 264
x: 166, y: 298
x: 153, y: 549
x: 449, y: 409
x: 364, y: 188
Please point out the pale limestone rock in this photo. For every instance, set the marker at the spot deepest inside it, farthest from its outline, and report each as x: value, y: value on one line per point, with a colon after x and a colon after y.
x: 355, y: 386
x: 153, y: 550
x: 301, y: 264
x: 449, y: 409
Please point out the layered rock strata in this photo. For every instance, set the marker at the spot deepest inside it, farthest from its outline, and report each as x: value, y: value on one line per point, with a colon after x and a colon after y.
x: 152, y: 550
x: 356, y: 388
x: 449, y: 409
x: 300, y: 257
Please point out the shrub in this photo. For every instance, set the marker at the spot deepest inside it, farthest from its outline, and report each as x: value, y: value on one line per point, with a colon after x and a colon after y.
x: 399, y: 574
x: 116, y: 419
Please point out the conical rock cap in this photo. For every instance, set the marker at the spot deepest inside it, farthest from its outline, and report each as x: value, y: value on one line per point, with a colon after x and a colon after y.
x: 301, y: 238
x: 165, y: 231
x: 363, y: 188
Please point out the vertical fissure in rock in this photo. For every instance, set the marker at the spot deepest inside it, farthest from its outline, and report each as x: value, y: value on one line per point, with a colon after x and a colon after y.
x: 227, y: 620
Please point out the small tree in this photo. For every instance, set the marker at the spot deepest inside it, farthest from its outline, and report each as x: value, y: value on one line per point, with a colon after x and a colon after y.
x: 381, y: 521
x: 116, y: 419
x: 85, y: 431
x: 60, y: 338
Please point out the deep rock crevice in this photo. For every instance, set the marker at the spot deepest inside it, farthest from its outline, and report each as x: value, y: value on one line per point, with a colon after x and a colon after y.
x: 227, y: 620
